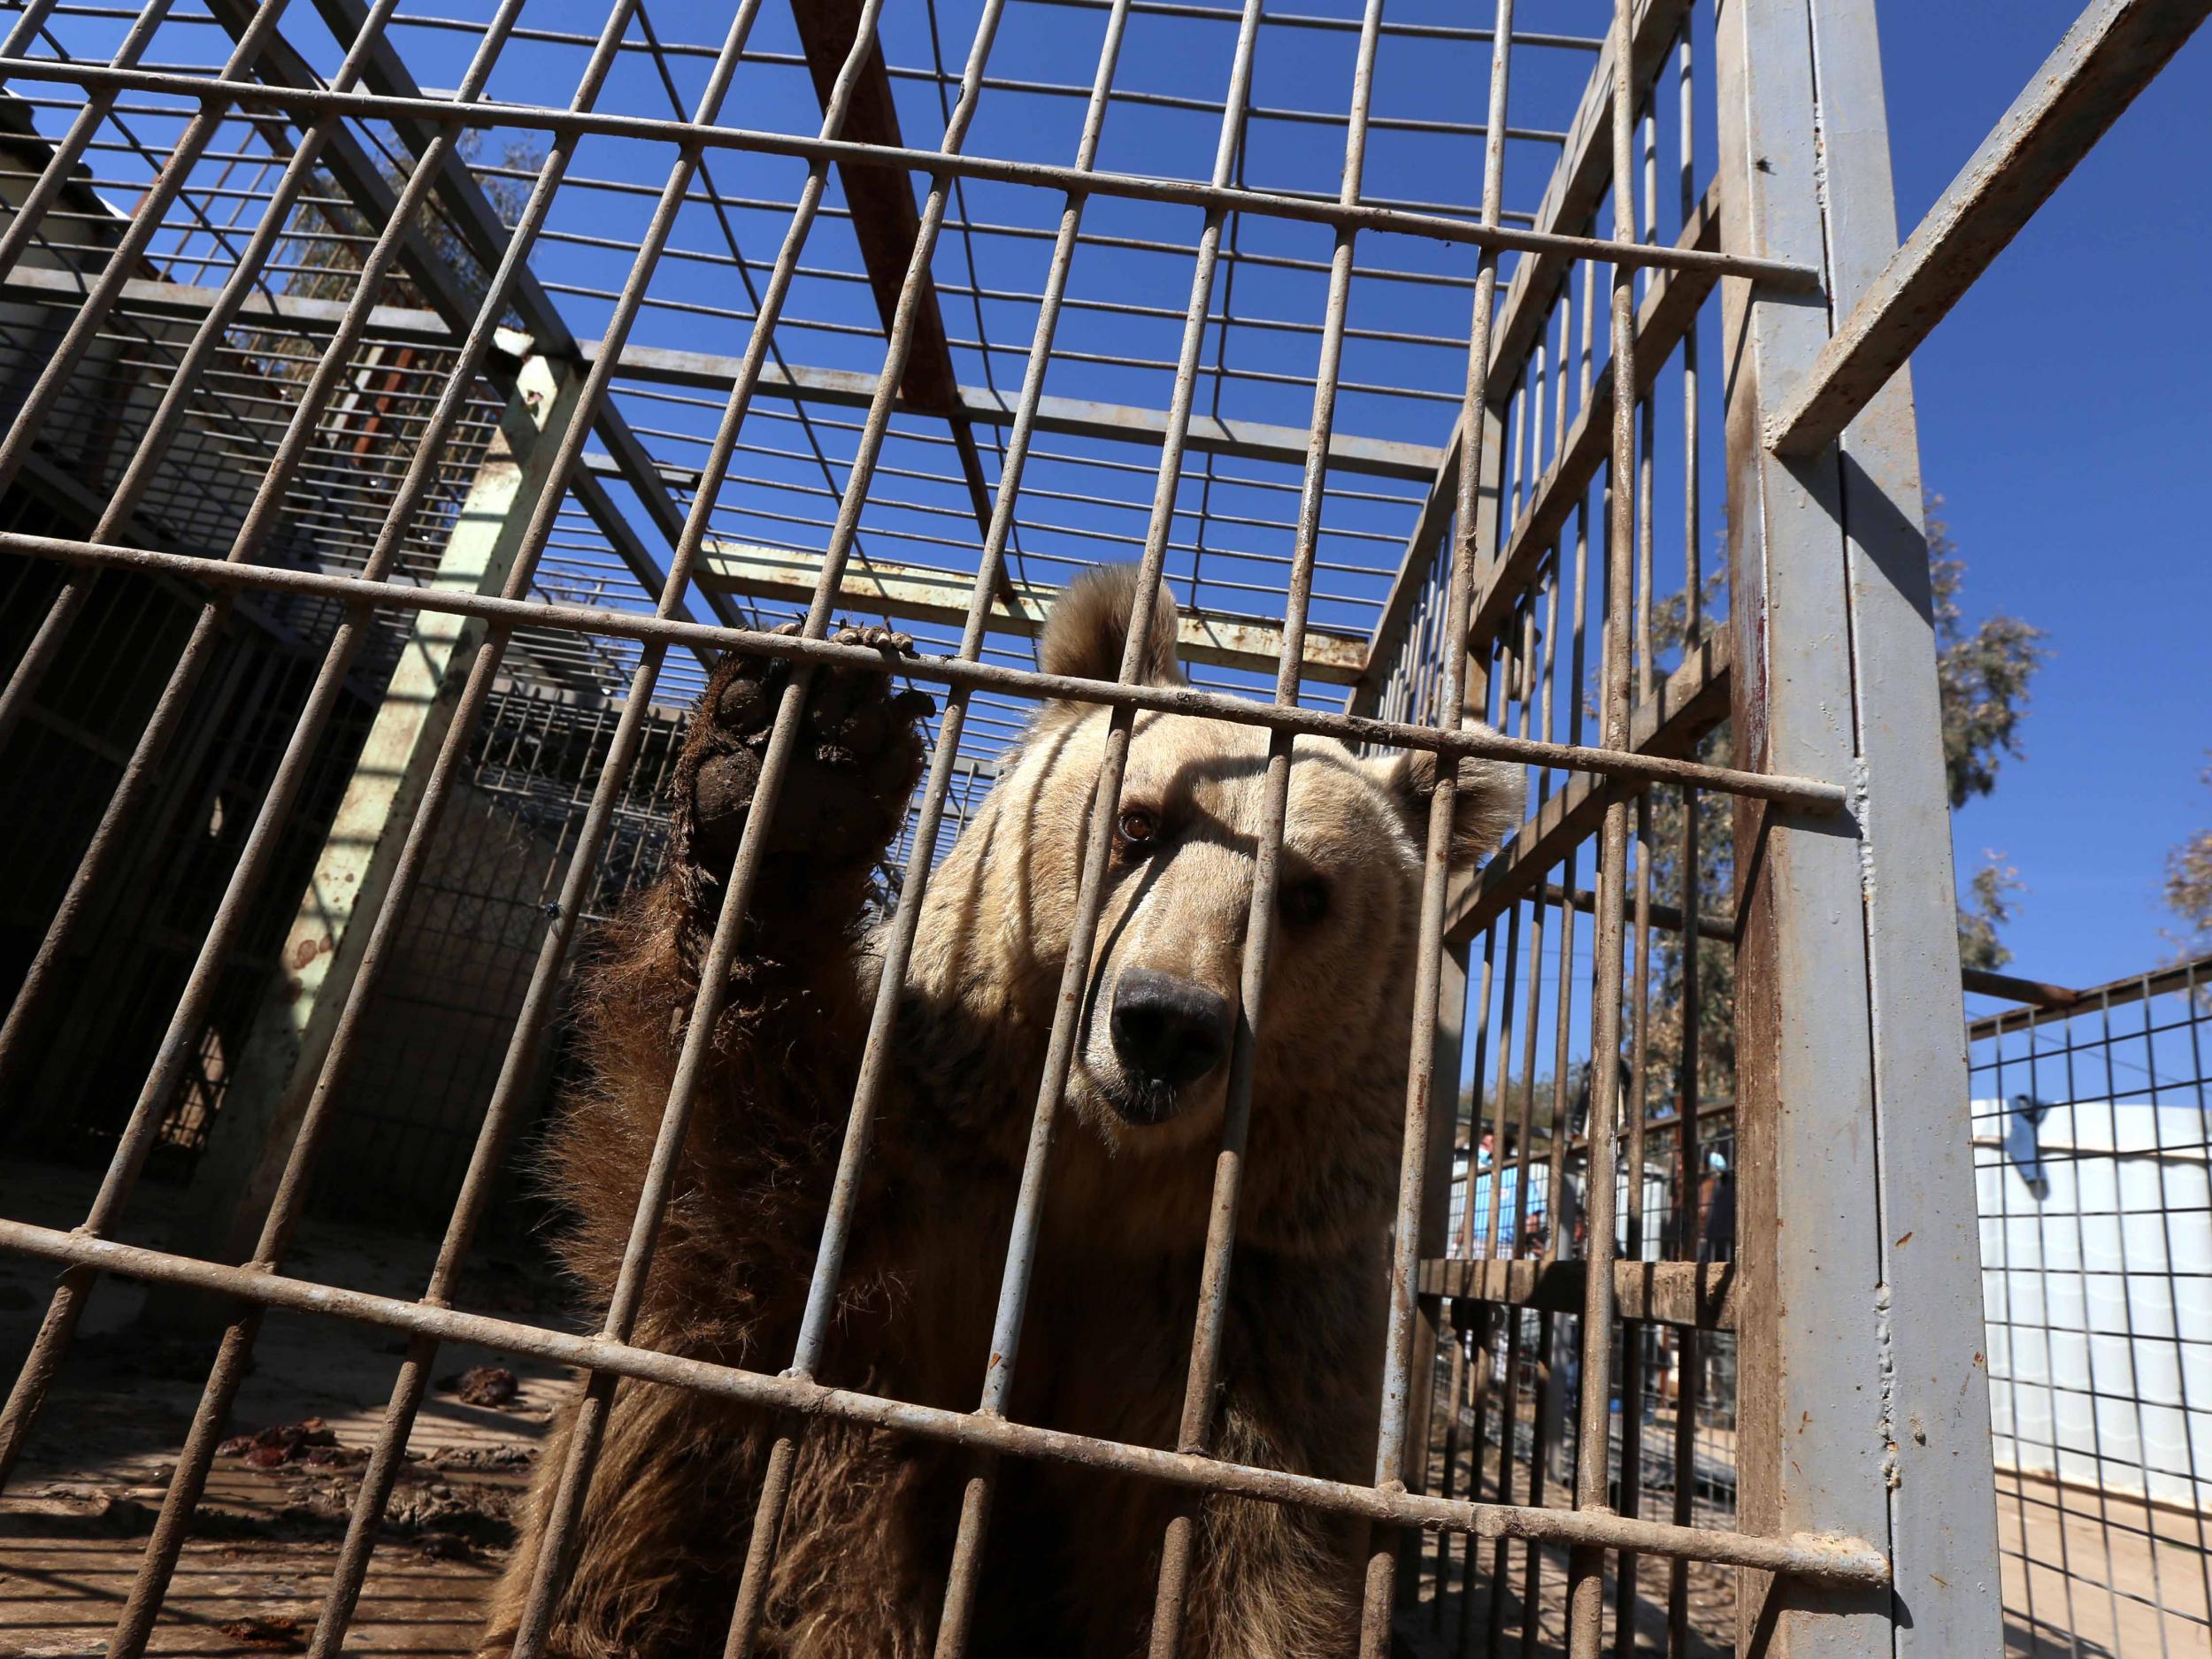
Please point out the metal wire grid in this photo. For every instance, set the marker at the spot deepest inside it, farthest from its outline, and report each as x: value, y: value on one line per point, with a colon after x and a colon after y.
x: 197, y: 493
x: 2092, y: 1136
x: 132, y: 949
x: 1515, y: 672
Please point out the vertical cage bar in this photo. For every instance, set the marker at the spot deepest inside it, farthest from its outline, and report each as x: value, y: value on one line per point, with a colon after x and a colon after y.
x: 1585, y: 1565
x: 1201, y: 1384
x: 521, y: 1060
x: 572, y: 414
x: 815, y: 1321
x: 1633, y: 1334
x: 1471, y: 1348
x: 964, y: 1576
x: 556, y: 1540
x: 1420, y: 1079
x: 136, y: 1141
x: 1688, y: 1341
x: 161, y: 429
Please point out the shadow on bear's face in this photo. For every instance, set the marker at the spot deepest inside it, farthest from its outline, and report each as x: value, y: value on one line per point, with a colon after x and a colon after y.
x: 1162, y: 1018
x: 1160, y: 1022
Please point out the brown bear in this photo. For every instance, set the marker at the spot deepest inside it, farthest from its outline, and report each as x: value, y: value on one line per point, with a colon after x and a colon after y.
x: 1073, y: 1553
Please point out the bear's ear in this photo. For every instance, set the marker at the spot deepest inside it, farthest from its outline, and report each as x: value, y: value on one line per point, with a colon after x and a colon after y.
x: 1485, y: 809
x: 1088, y: 629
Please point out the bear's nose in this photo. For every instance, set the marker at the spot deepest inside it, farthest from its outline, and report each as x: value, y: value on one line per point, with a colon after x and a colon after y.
x: 1167, y: 1029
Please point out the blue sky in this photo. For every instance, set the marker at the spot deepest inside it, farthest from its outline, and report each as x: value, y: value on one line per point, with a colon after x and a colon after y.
x: 2056, y: 411
x: 2062, y: 419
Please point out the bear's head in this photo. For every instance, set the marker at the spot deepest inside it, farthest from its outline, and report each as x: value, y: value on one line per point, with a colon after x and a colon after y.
x: 1150, y: 1074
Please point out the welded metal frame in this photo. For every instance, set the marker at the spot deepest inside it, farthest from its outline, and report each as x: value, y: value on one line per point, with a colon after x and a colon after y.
x: 1829, y: 611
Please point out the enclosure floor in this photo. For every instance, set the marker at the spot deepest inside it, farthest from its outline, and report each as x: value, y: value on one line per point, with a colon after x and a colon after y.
x: 1434, y: 1632
x: 77, y: 1514
x: 2063, y: 1546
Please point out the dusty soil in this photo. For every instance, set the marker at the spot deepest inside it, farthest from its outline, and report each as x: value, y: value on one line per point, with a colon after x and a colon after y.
x: 76, y: 1518
x: 2084, y: 1573
x: 1452, y: 1619
x: 2089, y: 1574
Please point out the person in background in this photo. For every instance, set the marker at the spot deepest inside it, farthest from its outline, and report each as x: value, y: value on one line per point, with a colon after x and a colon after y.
x: 1717, y: 1242
x: 1716, y: 1205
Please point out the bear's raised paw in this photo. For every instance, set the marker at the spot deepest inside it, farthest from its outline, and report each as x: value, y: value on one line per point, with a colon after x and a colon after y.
x: 854, y: 766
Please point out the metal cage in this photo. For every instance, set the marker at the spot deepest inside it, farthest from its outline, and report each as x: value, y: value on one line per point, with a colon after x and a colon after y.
x: 438, y: 397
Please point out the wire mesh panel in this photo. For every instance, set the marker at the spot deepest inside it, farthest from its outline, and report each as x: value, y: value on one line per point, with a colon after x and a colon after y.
x: 2091, y: 1140
x: 550, y: 369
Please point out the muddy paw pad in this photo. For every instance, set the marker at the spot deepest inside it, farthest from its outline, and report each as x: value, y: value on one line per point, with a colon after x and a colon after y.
x: 852, y: 766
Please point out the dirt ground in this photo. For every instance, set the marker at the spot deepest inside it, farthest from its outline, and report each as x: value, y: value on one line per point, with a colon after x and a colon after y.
x: 1453, y: 1622
x: 76, y: 1519
x: 2084, y: 1573
x: 2089, y: 1574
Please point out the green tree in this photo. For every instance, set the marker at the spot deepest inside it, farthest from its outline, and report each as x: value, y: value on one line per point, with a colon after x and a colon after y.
x: 1989, y: 905
x: 1983, y: 676
x: 2189, y: 889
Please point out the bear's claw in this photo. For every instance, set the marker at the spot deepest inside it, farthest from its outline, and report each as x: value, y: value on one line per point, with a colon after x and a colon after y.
x: 851, y: 771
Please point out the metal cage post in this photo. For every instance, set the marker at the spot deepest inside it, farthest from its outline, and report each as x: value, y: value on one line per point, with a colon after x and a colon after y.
x: 1864, y: 1385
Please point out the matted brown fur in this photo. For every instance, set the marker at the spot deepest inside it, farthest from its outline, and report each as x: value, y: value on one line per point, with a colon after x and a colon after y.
x: 1073, y: 1554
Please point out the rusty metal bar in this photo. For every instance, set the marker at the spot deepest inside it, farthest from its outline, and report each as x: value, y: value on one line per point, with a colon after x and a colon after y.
x: 2052, y: 1002
x: 1816, y: 1557
x: 1544, y: 1405
x: 1209, y: 434
x: 1803, y: 794
x: 1213, y: 197
x: 1688, y: 1343
x: 115, y: 520
x: 29, y: 213
x: 1630, y: 1484
x: 1512, y: 654
x: 182, y: 1499
x: 586, y: 1431
x: 669, y: 366
x: 136, y: 1141
x: 1851, y: 1081
x: 975, y: 1508
x: 1194, y: 1433
x: 1691, y: 702
x: 1451, y: 700
x: 1536, y: 649
x: 1470, y: 1350
x: 1576, y: 188
x: 26, y: 28
x: 1544, y: 1415
x: 1663, y: 316
x: 93, y: 308
x: 539, y: 1001
x: 881, y: 203
x: 838, y: 1217
x: 894, y: 589
x: 1585, y: 1567
x: 1688, y: 1358
x: 1474, y: 1352
x: 1699, y: 1296
x: 2114, y: 50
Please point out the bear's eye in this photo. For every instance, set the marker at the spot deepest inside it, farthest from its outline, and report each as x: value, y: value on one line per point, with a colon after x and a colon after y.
x: 1136, y: 829
x: 1304, y: 902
